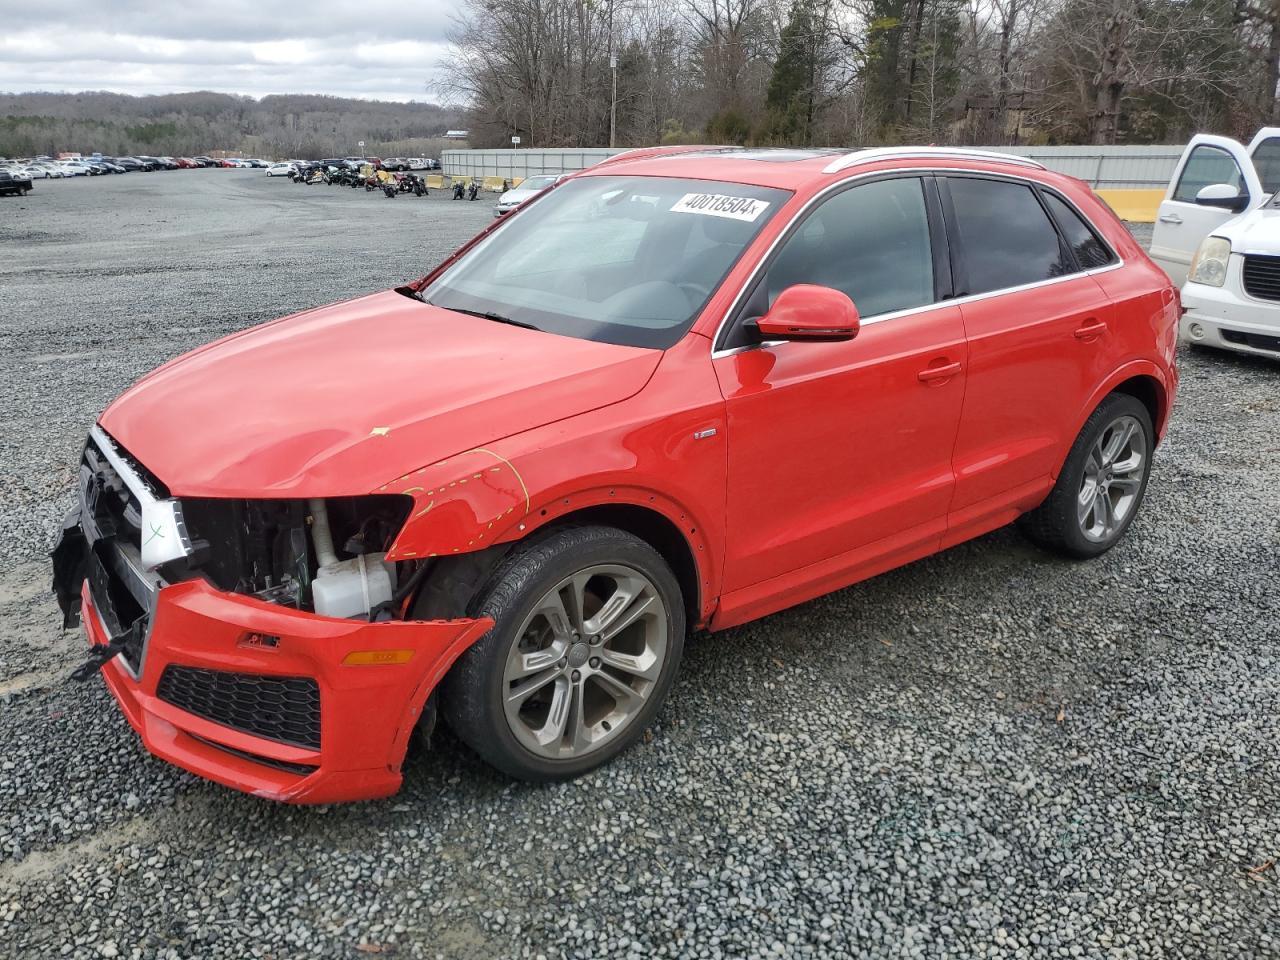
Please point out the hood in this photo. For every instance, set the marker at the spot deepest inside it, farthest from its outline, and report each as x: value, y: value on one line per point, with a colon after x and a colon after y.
x: 1257, y: 231
x: 339, y: 400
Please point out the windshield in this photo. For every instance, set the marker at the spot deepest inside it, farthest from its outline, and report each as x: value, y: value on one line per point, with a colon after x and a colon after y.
x: 536, y: 183
x: 625, y: 260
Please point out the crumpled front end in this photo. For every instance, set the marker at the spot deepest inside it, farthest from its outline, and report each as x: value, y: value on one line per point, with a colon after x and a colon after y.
x: 248, y: 691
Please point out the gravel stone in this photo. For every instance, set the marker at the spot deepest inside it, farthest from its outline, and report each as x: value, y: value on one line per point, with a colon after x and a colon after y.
x: 989, y: 753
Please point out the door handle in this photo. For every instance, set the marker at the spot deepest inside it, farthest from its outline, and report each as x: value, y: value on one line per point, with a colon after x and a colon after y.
x: 1091, y: 330
x: 1170, y: 218
x: 935, y: 374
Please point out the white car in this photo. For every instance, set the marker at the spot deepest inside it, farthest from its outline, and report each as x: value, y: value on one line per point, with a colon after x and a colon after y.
x: 529, y: 188
x: 280, y: 169
x: 1218, y: 229
x: 49, y: 171
x: 72, y: 168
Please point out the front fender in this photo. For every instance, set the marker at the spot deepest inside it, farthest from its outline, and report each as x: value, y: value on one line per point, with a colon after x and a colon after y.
x: 661, y: 450
x: 481, y: 498
x: 462, y: 503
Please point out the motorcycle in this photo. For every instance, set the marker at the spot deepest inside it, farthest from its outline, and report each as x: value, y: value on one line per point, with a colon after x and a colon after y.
x: 409, y: 183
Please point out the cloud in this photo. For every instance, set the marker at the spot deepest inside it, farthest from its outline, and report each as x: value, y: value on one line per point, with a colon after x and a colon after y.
x: 233, y: 46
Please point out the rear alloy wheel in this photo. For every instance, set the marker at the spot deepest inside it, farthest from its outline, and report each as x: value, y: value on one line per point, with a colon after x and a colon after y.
x: 1114, y: 474
x: 1102, y: 482
x: 588, y: 635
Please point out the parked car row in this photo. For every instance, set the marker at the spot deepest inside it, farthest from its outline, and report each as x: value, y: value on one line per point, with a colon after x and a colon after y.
x: 48, y: 168
x: 401, y: 164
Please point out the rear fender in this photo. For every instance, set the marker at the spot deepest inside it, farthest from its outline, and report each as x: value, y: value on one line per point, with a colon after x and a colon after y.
x: 1135, y: 368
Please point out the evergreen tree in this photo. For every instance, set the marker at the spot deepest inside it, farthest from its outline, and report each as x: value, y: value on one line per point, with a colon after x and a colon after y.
x: 792, y: 98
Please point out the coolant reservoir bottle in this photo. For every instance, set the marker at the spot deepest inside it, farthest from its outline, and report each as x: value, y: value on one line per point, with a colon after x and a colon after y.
x: 351, y: 588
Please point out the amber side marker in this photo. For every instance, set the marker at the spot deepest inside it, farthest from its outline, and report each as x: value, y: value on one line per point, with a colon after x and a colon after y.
x: 375, y: 658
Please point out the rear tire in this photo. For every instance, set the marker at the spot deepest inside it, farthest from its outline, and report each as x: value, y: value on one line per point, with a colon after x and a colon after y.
x: 1101, y: 485
x: 589, y: 630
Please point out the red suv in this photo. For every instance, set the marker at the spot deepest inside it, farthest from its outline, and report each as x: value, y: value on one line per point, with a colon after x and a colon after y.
x: 679, y: 389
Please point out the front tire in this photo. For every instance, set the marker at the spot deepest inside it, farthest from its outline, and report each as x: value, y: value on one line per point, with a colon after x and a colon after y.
x: 1101, y: 485
x: 589, y: 630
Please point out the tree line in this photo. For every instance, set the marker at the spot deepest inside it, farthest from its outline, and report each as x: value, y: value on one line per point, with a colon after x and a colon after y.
x: 862, y: 72
x: 183, y: 124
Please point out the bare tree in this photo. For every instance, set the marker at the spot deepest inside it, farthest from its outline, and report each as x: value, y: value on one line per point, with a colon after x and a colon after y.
x: 1095, y: 53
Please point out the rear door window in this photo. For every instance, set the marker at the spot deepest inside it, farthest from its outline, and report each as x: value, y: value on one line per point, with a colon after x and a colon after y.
x: 1207, y: 165
x: 1006, y: 238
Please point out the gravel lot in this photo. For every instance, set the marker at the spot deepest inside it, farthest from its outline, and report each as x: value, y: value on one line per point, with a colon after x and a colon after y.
x: 988, y: 753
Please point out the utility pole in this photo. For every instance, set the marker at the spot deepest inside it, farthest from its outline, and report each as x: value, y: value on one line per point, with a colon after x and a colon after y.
x: 613, y: 67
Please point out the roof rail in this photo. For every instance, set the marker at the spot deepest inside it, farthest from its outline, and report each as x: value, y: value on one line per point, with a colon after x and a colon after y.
x: 942, y: 153
x: 646, y: 153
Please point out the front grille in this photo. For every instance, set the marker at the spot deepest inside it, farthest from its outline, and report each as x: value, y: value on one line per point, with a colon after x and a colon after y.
x: 1262, y: 277
x: 284, y: 709
x: 1259, y: 341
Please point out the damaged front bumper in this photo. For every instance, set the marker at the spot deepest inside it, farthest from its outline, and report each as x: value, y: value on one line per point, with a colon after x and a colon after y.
x: 266, y: 699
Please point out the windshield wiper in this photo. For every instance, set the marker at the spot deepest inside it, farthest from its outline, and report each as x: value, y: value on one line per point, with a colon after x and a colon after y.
x: 487, y: 315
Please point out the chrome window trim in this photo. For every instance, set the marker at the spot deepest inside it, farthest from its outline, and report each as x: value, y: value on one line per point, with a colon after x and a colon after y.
x: 821, y: 195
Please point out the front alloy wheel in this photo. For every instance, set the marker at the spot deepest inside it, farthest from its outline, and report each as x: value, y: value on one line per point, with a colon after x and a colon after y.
x: 585, y: 661
x: 588, y: 631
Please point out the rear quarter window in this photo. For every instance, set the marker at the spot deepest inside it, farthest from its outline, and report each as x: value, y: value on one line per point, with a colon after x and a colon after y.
x: 1089, y: 250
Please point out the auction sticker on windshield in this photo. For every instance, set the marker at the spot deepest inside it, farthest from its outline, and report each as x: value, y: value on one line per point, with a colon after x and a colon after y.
x: 718, y: 205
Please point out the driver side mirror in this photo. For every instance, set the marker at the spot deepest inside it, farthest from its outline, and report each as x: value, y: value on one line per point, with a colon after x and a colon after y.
x: 1222, y: 195
x: 807, y: 311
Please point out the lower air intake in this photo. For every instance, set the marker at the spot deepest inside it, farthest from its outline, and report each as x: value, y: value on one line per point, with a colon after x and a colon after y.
x: 284, y: 709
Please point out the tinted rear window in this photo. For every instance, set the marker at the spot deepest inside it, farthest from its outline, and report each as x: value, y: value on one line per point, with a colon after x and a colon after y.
x: 1007, y: 239
x: 1090, y: 251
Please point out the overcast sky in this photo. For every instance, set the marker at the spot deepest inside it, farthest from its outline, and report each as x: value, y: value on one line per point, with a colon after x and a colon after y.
x: 253, y: 47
